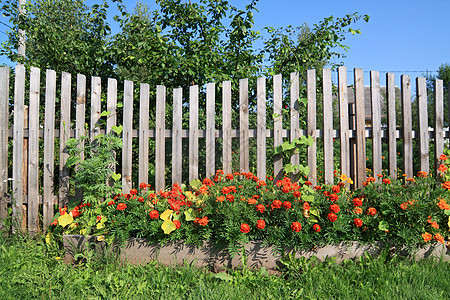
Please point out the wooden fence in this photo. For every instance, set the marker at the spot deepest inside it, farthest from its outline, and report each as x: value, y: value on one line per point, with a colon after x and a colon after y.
x: 351, y: 131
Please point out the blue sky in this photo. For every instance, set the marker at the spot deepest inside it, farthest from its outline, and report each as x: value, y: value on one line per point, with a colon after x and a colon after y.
x: 401, y: 36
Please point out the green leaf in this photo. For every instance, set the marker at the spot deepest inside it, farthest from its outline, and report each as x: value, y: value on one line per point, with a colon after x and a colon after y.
x: 196, y: 183
x: 117, y: 129
x: 223, y: 276
x: 188, y: 215
x: 72, y: 160
x: 383, y: 225
x: 447, y: 212
x: 115, y: 176
x: 314, y: 212
x: 308, y: 198
x: 168, y: 226
x: 105, y: 113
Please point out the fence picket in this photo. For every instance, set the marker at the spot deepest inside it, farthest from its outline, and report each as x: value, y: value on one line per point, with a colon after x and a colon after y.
x: 160, y: 139
x: 277, y: 126
x: 422, y: 112
x: 80, y: 109
x: 360, y: 129
x: 438, y: 121
x: 144, y: 125
x: 261, y: 129
x: 111, y: 104
x: 407, y: 126
x: 243, y: 126
x: 49, y: 145
x: 311, y: 123
x: 377, y: 163
x: 210, y: 129
x: 193, y: 133
x: 327, y: 127
x: 177, y: 141
x: 295, y: 118
x: 392, y: 125
x: 226, y: 127
x: 64, y: 135
x: 343, y: 120
x: 96, y: 91
x: 4, y: 120
x: 127, y: 136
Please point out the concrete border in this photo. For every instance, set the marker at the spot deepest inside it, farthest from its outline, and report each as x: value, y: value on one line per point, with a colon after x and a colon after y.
x: 140, y: 251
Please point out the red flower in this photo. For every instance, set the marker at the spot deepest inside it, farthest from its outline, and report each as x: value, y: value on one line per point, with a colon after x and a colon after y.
x: 245, y: 228
x: 203, y: 221
x: 276, y: 204
x: 154, y: 214
x: 75, y: 213
x: 438, y: 237
x: 335, y: 189
x: 261, y: 208
x: 121, y: 206
x: 177, y: 223
x: 229, y: 177
x: 287, y: 204
x: 443, y: 157
x: 133, y: 191
x: 426, y: 237
x: 332, y: 217
x: 208, y: 182
x: 260, y: 224
x: 334, y: 208
x: 55, y: 222
x: 371, y: 211
x: 446, y: 185
x: 317, y: 187
x: 386, y: 181
x: 230, y: 198
x: 141, y: 199
x: 306, y: 206
x: 316, y: 228
x: 297, y: 194
x: 334, y: 197
x: 357, y: 202
x: 358, y: 222
x: 308, y: 183
x: 296, y: 226
x: 370, y: 179
x: 142, y: 186
x: 110, y: 203
x: 442, y: 168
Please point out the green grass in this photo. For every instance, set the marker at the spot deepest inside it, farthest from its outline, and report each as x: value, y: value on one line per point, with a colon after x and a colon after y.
x: 29, y: 270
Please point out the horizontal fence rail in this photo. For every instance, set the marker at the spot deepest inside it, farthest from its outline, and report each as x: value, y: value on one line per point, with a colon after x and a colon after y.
x: 42, y: 109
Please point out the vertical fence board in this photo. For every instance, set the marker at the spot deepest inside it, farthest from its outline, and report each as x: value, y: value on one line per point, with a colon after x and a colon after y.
x: 327, y: 127
x: 127, y: 158
x: 80, y: 109
x: 226, y: 127
x: 392, y: 125
x: 49, y: 145
x: 277, y: 126
x: 422, y: 112
x: 33, y: 152
x: 177, y: 141
x: 193, y: 132
x: 407, y: 126
x: 96, y: 90
x: 19, y: 96
x: 243, y: 126
x: 160, y: 149
x: 4, y: 120
x: 343, y: 120
x: 295, y: 118
x: 438, y: 121
x: 360, y: 128
x: 261, y: 129
x: 377, y: 163
x: 311, y: 123
x: 144, y: 125
x: 111, y: 104
x: 210, y: 129
x: 66, y: 85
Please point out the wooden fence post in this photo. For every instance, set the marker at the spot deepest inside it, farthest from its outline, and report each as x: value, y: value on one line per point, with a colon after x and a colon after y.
x: 422, y: 112
x: 311, y: 123
x: 226, y: 127
x: 177, y: 141
x: 438, y: 122
x: 4, y: 121
x: 295, y: 119
x: 377, y: 163
x: 392, y: 125
x: 127, y: 136
x: 407, y: 126
x: 160, y: 138
x: 360, y: 129
x: 144, y: 115
x: 277, y: 126
x: 193, y: 133
x: 328, y: 127
x: 243, y: 126
x: 64, y: 136
x: 343, y: 120
x: 261, y: 129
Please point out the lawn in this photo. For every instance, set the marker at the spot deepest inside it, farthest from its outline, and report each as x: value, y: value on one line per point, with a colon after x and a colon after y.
x: 30, y: 269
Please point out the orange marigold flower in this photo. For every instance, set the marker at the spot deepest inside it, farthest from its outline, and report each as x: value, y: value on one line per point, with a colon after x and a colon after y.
x: 208, y: 182
x: 386, y: 181
x: 335, y: 189
x: 426, y: 237
x: 332, y: 217
x: 442, y: 168
x: 287, y: 204
x: 252, y: 201
x: 446, y: 185
x: 380, y: 175
x: 334, y: 197
x: 370, y: 179
x: 141, y: 199
x: 316, y: 228
x: 110, y: 203
x: 434, y: 224
x: 245, y: 228
x: 438, y: 237
x: 203, y: 221
x: 365, y: 183
x: 133, y: 192
x: 410, y: 180
x: 296, y: 226
x: 230, y: 198
x: 276, y: 204
x: 297, y: 194
x: 308, y: 183
x: 177, y: 223
x: 121, y: 206
x: 317, y: 187
x: 225, y: 190
x: 154, y: 214
x: 142, y: 186
x: 443, y: 204
x: 371, y: 211
x: 55, y: 222
x: 260, y: 224
x: 443, y: 157
x: 306, y: 206
x: 229, y: 177
x: 422, y: 174
x: 358, y: 210
x: 219, y: 172
x: 334, y: 208
x: 358, y: 222
x: 220, y: 199
x: 357, y: 202
x: 261, y: 208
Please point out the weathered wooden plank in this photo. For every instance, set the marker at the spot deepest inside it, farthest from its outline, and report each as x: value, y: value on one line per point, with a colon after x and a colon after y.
x: 111, y: 104
x: 226, y: 127
x: 407, y: 126
x: 295, y: 117
x: 261, y: 129
x: 193, y: 133
x: 177, y: 141
x: 127, y: 137
x: 4, y: 121
x: 244, y: 145
x: 19, y: 96
x: 33, y: 151
x: 66, y: 85
x: 343, y: 120
x: 422, y: 112
x: 49, y: 146
x: 80, y: 127
x: 328, y: 127
x: 438, y: 121
x: 96, y: 91
x: 360, y: 128
x: 210, y: 130
x: 311, y: 124
x: 144, y: 126
x: 160, y: 148
x: 277, y: 125
x: 377, y: 163
x: 392, y: 125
